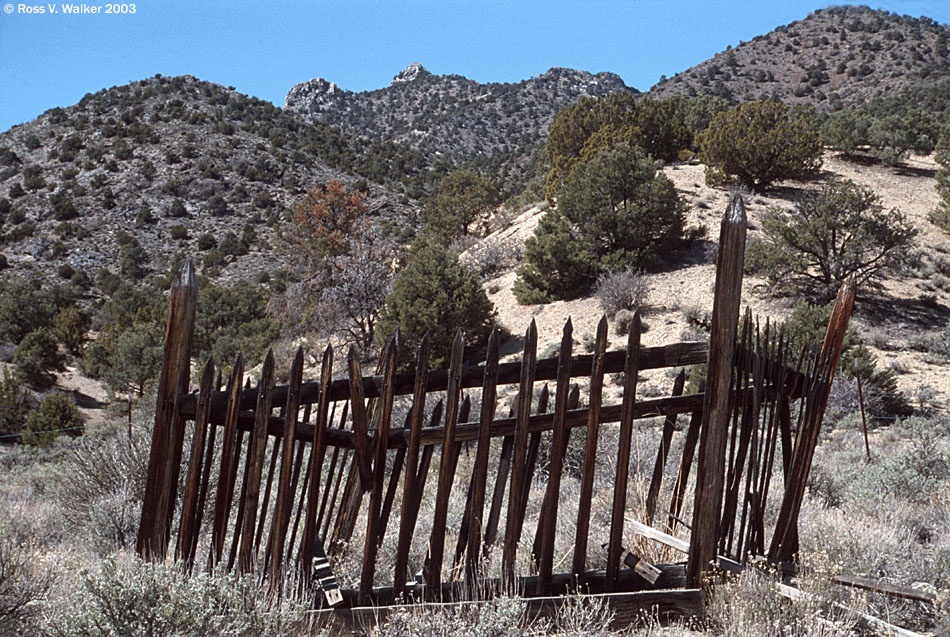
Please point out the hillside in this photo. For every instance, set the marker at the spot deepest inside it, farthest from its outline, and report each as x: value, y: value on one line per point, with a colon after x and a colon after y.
x: 451, y: 119
x: 168, y: 160
x: 838, y: 57
x: 897, y: 322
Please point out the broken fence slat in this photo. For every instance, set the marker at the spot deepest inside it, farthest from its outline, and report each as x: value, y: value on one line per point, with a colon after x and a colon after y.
x: 579, y: 563
x: 631, y: 371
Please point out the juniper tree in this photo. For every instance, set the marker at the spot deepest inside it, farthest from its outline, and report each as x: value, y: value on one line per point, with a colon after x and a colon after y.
x: 435, y: 293
x: 836, y: 231
x: 615, y: 210
x: 759, y: 143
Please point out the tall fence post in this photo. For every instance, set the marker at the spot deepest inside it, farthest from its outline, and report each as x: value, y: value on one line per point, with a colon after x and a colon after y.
x: 161, y: 481
x: 715, y: 424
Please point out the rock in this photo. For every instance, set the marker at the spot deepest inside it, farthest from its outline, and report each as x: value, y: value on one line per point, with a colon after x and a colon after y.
x: 412, y: 72
x: 313, y: 96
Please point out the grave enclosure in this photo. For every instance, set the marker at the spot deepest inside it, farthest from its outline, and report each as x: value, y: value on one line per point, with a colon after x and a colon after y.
x: 288, y: 472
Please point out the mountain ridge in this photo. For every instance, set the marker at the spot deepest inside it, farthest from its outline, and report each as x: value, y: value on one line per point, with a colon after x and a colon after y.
x: 839, y: 57
x: 452, y: 118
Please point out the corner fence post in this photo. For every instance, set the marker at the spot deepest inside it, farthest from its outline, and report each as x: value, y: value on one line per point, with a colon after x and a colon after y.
x: 715, y: 423
x: 161, y: 481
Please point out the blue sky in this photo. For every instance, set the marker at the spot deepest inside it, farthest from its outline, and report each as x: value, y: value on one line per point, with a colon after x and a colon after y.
x: 263, y: 48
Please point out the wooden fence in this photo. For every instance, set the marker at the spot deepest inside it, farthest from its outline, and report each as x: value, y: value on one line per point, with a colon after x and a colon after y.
x: 287, y: 471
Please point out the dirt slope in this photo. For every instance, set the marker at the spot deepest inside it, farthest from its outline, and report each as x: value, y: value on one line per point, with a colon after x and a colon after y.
x: 891, y: 317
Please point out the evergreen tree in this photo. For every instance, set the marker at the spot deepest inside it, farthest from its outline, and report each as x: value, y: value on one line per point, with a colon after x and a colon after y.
x: 759, y: 143
x: 615, y: 211
x: 56, y: 416
x: 70, y: 327
x: 36, y: 358
x: 434, y: 293
x: 14, y: 404
x: 834, y: 232
x: 458, y: 200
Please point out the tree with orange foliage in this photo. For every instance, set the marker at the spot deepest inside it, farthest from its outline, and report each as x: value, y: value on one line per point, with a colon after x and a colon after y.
x: 328, y: 218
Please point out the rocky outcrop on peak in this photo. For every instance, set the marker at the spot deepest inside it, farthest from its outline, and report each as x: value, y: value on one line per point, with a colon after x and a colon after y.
x: 412, y: 72
x: 315, y: 94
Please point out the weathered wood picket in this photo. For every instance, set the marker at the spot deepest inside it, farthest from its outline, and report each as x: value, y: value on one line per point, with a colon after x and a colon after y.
x: 336, y: 457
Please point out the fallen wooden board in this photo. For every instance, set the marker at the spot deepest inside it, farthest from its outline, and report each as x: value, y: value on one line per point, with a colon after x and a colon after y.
x: 869, y: 584
x: 783, y: 589
x: 672, y: 576
x: 679, y: 544
x: 627, y: 608
x: 880, y: 625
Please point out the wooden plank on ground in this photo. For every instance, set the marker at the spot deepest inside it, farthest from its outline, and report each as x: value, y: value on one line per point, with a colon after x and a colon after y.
x: 625, y: 608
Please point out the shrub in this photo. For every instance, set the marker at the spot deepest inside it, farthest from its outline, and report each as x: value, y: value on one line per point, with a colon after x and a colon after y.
x: 614, y: 211
x: 759, y: 143
x: 179, y: 232
x: 491, y: 257
x: 582, y: 130
x: 3, y: 262
x: 230, y: 320
x: 806, y: 326
x: 434, y: 293
x: 206, y: 241
x: 63, y: 207
x: 70, y: 327
x: 623, y: 289
x: 177, y: 209
x: 144, y: 217
x: 326, y: 220
x: 65, y: 271
x: 57, y: 415
x: 132, y: 260
x: 24, y: 580
x: 892, y: 137
x: 231, y: 245
x: 33, y: 178
x: 218, y: 206
x: 137, y: 598
x: 922, y: 469
x: 32, y: 142
x: 834, y: 232
x: 14, y: 405
x: 36, y: 358
x: 845, y: 130
x: 98, y: 484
